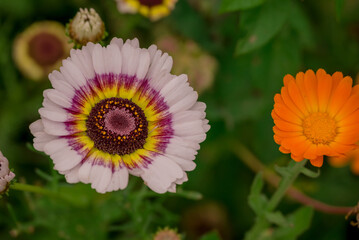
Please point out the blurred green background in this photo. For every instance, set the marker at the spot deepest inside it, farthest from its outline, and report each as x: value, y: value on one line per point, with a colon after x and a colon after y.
x: 254, y: 44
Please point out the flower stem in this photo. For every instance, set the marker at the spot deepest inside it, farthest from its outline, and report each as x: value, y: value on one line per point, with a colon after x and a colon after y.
x: 285, y: 184
x: 35, y: 189
x: 273, y: 179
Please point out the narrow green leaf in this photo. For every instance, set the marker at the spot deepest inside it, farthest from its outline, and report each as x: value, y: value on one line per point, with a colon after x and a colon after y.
x: 299, y: 222
x: 211, y: 236
x: 235, y: 5
x: 309, y: 173
x: 263, y: 25
x: 276, y: 218
x: 256, y: 200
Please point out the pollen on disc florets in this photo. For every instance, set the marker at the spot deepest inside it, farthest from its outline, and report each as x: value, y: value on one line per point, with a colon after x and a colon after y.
x: 320, y: 128
x: 86, y: 26
x: 117, y: 126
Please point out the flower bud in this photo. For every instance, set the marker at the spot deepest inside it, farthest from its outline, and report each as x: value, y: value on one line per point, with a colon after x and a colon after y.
x: 5, y: 174
x: 85, y: 27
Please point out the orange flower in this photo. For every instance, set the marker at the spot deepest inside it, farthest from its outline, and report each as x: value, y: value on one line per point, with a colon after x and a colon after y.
x: 352, y: 157
x: 316, y: 115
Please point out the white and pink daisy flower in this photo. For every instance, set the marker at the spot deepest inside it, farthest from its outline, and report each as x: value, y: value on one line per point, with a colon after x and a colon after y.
x: 117, y: 110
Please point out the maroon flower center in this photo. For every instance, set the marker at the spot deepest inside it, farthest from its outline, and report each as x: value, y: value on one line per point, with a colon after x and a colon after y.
x: 46, y: 49
x: 151, y: 3
x: 117, y: 126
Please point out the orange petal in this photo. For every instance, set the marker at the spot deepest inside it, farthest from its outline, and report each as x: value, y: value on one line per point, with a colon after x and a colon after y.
x: 301, y: 86
x: 301, y: 146
x: 286, y: 114
x: 296, y: 96
x: 297, y: 158
x: 349, y: 107
x: 341, y: 148
x: 317, y: 162
x: 310, y: 83
x: 353, y: 118
x: 288, y: 78
x: 283, y: 150
x: 337, y: 77
x: 347, y: 138
x: 289, y: 102
x: 293, y: 142
x: 340, y: 96
x: 286, y: 126
x: 285, y: 134
x: 339, y: 161
x: 324, y: 89
x: 311, y: 152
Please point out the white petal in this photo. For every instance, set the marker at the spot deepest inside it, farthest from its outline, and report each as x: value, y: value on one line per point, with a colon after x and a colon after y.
x: 187, y: 116
x: 58, y: 98
x: 113, y: 59
x: 143, y: 64
x: 36, y: 127
x: 199, y: 106
x: 195, y: 138
x: 85, y: 170
x: 72, y: 74
x: 186, y: 165
x: 41, y: 140
x: 161, y: 173
x: 83, y: 60
x: 130, y: 59
x: 188, y: 128
x: 57, y: 114
x: 98, y: 60
x: 100, y: 177
x: 59, y: 83
x: 134, y: 42
x: 54, y: 128
x: 185, y: 103
x: 119, y: 180
x: 55, y: 145
x: 117, y: 41
x: 66, y: 159
x: 72, y: 176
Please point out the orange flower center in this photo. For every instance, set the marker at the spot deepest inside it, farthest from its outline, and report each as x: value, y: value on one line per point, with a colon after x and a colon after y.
x: 320, y: 128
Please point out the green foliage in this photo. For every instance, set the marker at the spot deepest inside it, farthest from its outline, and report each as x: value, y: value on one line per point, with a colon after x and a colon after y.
x: 211, y: 236
x: 256, y: 199
x: 262, y: 25
x: 234, y: 5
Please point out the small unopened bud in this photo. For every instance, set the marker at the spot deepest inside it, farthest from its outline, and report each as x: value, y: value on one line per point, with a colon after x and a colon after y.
x: 5, y: 174
x: 167, y: 234
x: 85, y: 27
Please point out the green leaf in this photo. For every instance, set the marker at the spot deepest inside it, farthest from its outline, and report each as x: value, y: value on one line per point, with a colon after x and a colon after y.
x: 211, y: 236
x: 235, y: 5
x: 276, y: 218
x: 309, y: 173
x: 299, y: 222
x: 256, y: 200
x: 263, y: 24
x: 338, y: 8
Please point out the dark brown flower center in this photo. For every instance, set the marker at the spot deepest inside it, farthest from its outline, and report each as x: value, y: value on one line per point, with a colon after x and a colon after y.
x: 117, y: 126
x: 151, y: 3
x: 46, y: 49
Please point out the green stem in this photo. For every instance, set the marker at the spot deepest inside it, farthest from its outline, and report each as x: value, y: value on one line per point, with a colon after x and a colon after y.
x: 261, y: 224
x: 40, y: 190
x: 35, y: 189
x: 284, y: 185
